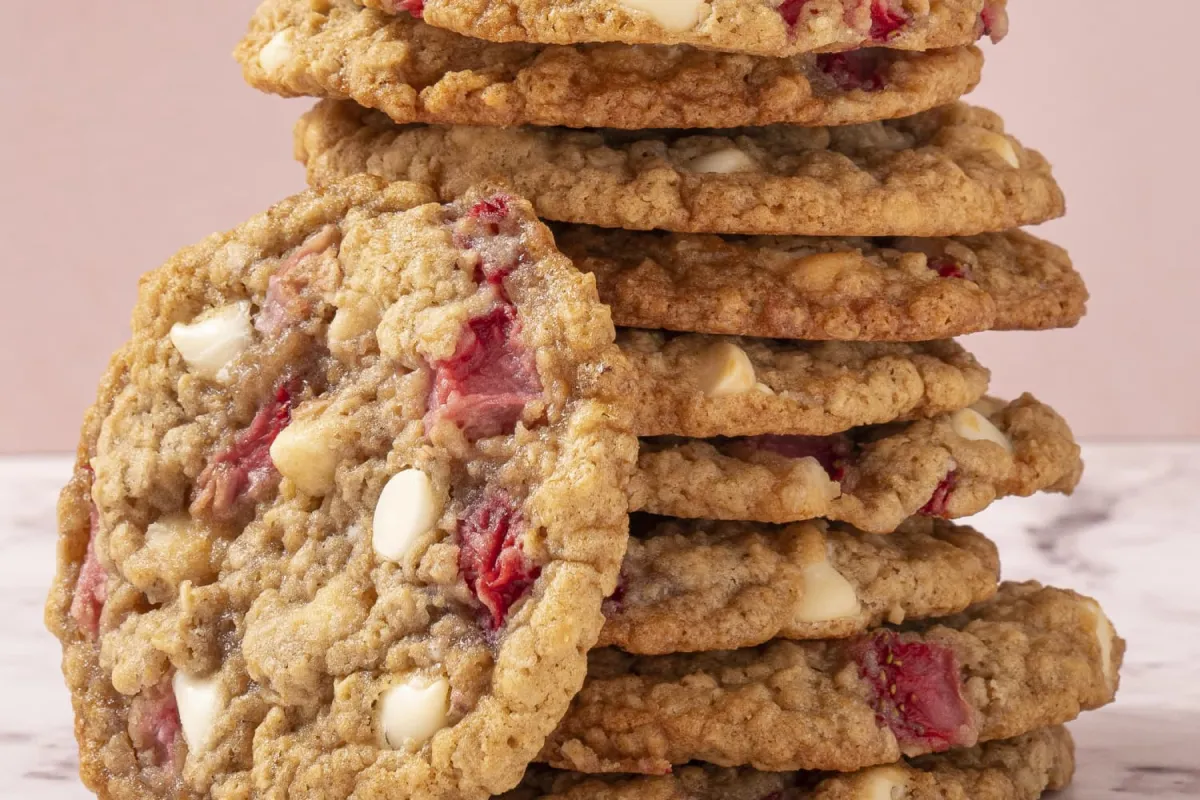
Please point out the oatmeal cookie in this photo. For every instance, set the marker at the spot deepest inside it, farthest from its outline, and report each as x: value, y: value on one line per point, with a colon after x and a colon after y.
x: 701, y: 386
x: 689, y: 586
x: 1020, y: 768
x: 347, y: 506
x: 846, y: 289
x: 1029, y: 658
x: 762, y: 27
x: 873, y: 478
x: 417, y: 73
x: 951, y: 171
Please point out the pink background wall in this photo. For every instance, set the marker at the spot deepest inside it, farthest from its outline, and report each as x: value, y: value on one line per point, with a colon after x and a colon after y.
x: 127, y: 133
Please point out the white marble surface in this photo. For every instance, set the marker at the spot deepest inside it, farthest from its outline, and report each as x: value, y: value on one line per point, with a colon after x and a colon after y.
x: 1129, y: 536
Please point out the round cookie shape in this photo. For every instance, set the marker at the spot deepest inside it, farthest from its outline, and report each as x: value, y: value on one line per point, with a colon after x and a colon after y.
x: 951, y: 171
x: 845, y: 289
x: 692, y: 585
x: 702, y: 386
x: 1030, y: 657
x: 324, y: 536
x: 1021, y: 768
x: 761, y: 27
x: 414, y: 72
x: 873, y: 478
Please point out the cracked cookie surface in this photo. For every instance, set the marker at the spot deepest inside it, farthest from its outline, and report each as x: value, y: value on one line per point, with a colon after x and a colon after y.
x: 701, y: 386
x: 763, y: 27
x: 417, y: 73
x: 946, y: 172
x: 1021, y: 768
x: 844, y: 289
x: 324, y: 535
x: 1029, y: 658
x: 872, y: 478
x: 689, y: 586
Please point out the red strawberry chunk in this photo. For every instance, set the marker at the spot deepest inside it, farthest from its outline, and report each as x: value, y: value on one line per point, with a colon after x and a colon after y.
x: 91, y: 587
x: 916, y: 691
x: 791, y: 10
x: 244, y: 470
x: 489, y: 230
x: 939, y: 502
x: 414, y: 7
x: 947, y: 267
x: 492, y: 210
x: 484, y: 386
x: 856, y: 69
x: 885, y: 21
x: 994, y: 21
x: 490, y: 556
x: 289, y: 289
x: 833, y: 453
x: 154, y: 726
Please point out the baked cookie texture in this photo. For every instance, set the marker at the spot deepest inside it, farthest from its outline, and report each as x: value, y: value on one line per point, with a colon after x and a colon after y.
x: 689, y: 586
x: 417, y: 73
x: 702, y: 386
x: 1021, y: 768
x: 325, y: 534
x: 902, y: 289
x: 1029, y: 658
x: 762, y: 27
x: 951, y: 171
x: 873, y: 478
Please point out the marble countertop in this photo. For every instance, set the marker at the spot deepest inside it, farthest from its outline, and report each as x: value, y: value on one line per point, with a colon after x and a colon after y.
x: 1129, y: 537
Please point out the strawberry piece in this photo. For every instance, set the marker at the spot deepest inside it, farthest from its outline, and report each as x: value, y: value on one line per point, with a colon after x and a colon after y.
x: 244, y: 470
x: 290, y: 289
x: 154, y: 726
x: 91, y: 587
x: 916, y: 691
x: 791, y: 10
x: 833, y: 453
x: 886, y: 22
x: 947, y: 267
x: 938, y: 503
x: 993, y: 21
x: 490, y: 556
x: 484, y: 386
x: 414, y: 7
x: 856, y: 69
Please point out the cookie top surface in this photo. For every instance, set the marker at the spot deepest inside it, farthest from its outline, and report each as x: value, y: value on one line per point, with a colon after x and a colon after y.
x: 763, y: 27
x: 1028, y: 658
x: 1021, y: 768
x: 699, y: 385
x: 417, y: 73
x: 846, y: 289
x: 873, y: 478
x: 945, y: 172
x: 324, y: 535
x: 690, y: 586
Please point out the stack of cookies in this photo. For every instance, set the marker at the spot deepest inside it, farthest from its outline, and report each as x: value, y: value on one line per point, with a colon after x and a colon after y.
x: 592, y: 428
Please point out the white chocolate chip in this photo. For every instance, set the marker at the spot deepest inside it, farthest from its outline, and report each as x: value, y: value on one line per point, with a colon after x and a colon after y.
x: 882, y: 783
x: 970, y: 424
x: 410, y: 713
x: 406, y: 511
x: 276, y: 52
x: 671, y: 15
x: 763, y: 388
x: 306, y: 451
x: 827, y: 595
x: 199, y: 700
x: 999, y: 144
x: 726, y: 370
x: 725, y: 161
x: 1104, y: 635
x: 212, y: 341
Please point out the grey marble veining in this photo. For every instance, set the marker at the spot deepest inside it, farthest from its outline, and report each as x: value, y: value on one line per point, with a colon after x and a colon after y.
x: 1128, y: 536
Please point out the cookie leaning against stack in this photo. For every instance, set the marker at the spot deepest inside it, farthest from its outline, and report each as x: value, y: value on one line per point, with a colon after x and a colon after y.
x: 352, y: 507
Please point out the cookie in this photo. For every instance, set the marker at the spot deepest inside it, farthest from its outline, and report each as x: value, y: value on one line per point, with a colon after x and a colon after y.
x: 872, y: 478
x: 1029, y: 658
x: 1020, y: 768
x: 951, y: 171
x: 845, y: 289
x: 762, y: 27
x: 325, y: 533
x: 701, y: 386
x: 689, y: 586
x: 416, y: 73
